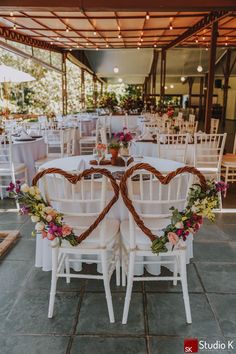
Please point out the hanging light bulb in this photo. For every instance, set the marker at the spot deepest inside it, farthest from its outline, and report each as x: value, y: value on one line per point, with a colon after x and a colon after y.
x: 11, y: 14
x: 200, y: 68
x: 94, y: 33
x: 166, y: 87
x: 119, y: 35
x: 155, y: 45
x: 196, y: 40
x: 183, y: 78
x: 107, y: 45
x: 147, y: 16
x: 171, y: 86
x: 120, y: 80
x: 116, y: 70
x: 138, y: 48
x: 67, y: 29
x: 14, y: 27
x: 171, y: 27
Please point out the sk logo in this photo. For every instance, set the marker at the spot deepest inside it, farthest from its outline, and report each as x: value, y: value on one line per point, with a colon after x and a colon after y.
x: 191, y: 345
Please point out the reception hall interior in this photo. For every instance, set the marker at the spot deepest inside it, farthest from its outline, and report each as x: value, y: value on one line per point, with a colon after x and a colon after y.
x: 117, y: 177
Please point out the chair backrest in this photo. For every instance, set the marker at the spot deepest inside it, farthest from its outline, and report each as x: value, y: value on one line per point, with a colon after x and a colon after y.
x: 208, y: 150
x: 173, y: 146
x: 103, y: 135
x: 6, y: 153
x: 180, y: 115
x: 214, y: 125
x: 153, y: 200
x: 191, y: 118
x: 85, y: 200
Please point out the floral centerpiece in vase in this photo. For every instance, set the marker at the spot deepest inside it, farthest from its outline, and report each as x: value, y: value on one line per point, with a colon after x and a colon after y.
x: 124, y: 138
x: 100, y: 151
x: 114, y: 148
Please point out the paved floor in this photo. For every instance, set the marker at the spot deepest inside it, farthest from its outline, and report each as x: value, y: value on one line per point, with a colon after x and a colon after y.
x: 156, y: 320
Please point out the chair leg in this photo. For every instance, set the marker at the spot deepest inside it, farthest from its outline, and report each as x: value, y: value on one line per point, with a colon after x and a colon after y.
x: 107, y: 286
x: 117, y: 260
x: 185, y: 287
x: 130, y: 279
x: 175, y: 273
x: 53, y: 281
x: 123, y: 268
x: 67, y: 270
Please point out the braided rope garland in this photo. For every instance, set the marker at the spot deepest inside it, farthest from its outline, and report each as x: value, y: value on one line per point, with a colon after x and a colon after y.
x: 163, y: 179
x: 74, y: 178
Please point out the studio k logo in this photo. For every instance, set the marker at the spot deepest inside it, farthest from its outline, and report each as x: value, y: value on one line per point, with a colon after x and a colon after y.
x: 191, y: 345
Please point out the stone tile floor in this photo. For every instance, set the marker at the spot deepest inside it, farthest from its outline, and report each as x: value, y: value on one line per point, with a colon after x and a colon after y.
x: 156, y: 320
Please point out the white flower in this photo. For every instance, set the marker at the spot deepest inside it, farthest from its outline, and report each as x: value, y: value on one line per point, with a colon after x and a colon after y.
x: 49, y: 218
x: 39, y: 226
x: 47, y: 210
x: 24, y: 188
x: 34, y: 218
x: 179, y: 225
x: 32, y: 191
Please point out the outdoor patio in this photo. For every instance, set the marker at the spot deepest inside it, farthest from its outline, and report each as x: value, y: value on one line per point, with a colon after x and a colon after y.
x: 80, y: 324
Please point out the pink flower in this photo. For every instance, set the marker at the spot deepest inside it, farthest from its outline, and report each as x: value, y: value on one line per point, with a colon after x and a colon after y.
x: 66, y: 230
x: 44, y: 234
x: 51, y: 237
x: 173, y: 238
x: 179, y: 232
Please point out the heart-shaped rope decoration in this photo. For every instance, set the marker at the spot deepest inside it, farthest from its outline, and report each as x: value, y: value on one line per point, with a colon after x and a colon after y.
x: 186, y: 218
x: 49, y: 222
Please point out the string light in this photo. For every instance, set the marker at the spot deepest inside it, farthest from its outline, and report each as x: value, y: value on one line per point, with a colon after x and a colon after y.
x: 116, y: 70
x: 119, y: 35
x: 67, y: 29
x: 171, y: 27
x: 11, y: 14
x: 14, y: 27
x: 94, y: 33
x: 147, y: 16
x: 97, y: 49
x: 196, y: 40
x: 141, y: 39
x: 120, y: 79
x: 107, y: 45
x: 203, y: 38
x: 183, y: 78
x: 138, y: 48
x: 171, y: 86
x: 154, y: 45
x: 166, y: 87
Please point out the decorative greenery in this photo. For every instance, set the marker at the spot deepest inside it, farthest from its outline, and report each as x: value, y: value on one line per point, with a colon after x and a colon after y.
x: 108, y: 100
x: 201, y: 203
x: 114, y: 145
x: 48, y: 221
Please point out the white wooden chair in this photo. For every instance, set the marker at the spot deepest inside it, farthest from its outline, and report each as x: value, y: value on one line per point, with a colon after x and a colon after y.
x: 9, y: 170
x: 152, y: 202
x: 60, y: 143
x: 214, y: 125
x: 191, y: 118
x: 208, y: 153
x: 103, y: 136
x: 81, y: 204
x: 172, y: 146
x: 87, y: 142
x: 228, y: 166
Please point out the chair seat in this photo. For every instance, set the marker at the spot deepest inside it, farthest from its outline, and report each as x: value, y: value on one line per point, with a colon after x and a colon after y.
x: 88, y: 139
x: 142, y: 241
x: 93, y: 240
x: 208, y: 169
x: 5, y: 168
x: 229, y: 160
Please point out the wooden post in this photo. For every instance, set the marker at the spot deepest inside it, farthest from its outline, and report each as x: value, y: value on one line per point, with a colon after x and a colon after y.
x: 210, y: 84
x: 190, y: 90
x: 64, y: 85
x: 226, y: 71
x: 162, y: 77
x: 95, y: 91
x: 82, y: 89
x: 201, y: 98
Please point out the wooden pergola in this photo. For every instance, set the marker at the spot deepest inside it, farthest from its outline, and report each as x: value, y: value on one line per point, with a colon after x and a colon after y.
x: 75, y: 25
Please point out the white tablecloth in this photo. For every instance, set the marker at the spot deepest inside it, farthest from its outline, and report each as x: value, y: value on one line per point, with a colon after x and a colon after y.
x: 28, y: 152
x: 150, y: 149
x: 43, y: 246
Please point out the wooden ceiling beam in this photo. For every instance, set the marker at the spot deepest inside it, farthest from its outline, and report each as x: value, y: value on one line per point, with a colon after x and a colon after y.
x: 117, y: 5
x: 206, y: 21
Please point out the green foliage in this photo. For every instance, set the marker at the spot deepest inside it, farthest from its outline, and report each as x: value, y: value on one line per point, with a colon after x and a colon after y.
x: 108, y: 100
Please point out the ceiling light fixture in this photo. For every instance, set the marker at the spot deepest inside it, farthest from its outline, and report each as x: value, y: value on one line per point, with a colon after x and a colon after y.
x: 116, y: 70
x: 196, y: 40
x: 154, y: 45
x: 183, y: 78
x: 11, y: 14
x: 94, y: 33
x: 67, y: 29
x: 147, y: 16
x: 141, y: 39
x: 119, y: 35
x: 14, y: 27
x: 226, y: 43
x: 107, y: 45
x: 120, y: 79
x: 200, y: 68
x: 171, y: 27
x: 203, y: 38
x: 171, y: 86
x: 138, y: 48
x: 97, y: 48
x: 166, y: 87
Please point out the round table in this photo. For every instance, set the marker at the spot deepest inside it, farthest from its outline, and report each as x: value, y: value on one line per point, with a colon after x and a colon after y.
x: 119, y: 210
x: 28, y: 152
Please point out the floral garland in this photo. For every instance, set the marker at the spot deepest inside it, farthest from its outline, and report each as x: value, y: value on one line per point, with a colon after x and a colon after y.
x: 200, y: 203
x: 48, y: 221
x: 50, y: 224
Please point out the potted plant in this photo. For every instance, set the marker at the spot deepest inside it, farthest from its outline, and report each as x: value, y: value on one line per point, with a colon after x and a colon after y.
x: 114, y: 148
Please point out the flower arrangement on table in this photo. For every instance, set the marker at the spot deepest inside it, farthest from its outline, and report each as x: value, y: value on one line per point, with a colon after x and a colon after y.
x: 48, y: 221
x: 124, y: 137
x: 170, y: 112
x: 200, y: 203
x: 101, y: 149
